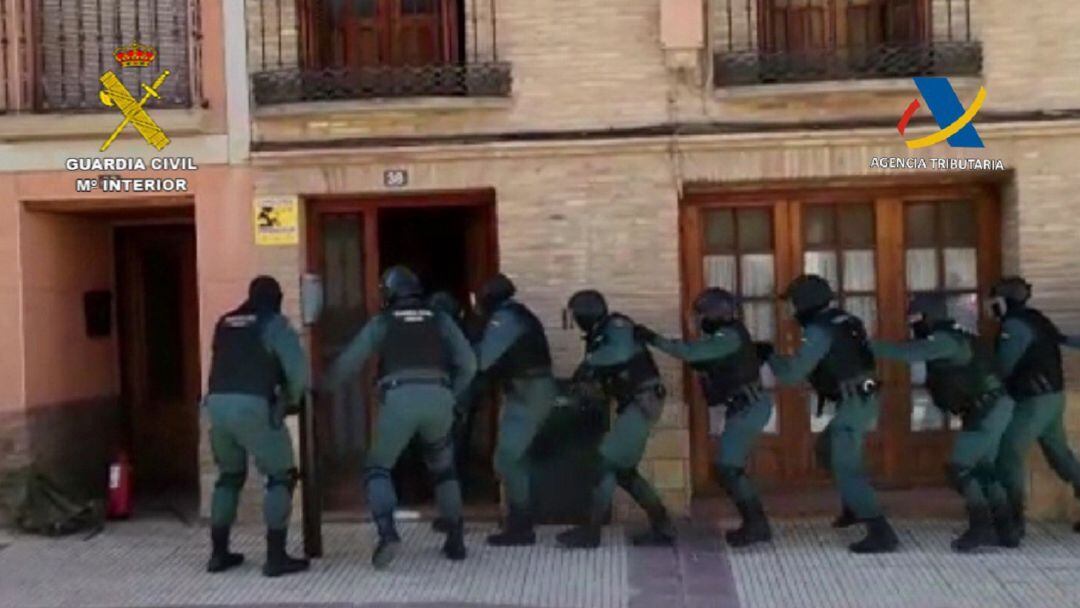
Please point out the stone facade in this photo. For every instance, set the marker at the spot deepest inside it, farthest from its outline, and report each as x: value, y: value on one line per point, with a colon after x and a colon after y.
x: 603, y: 211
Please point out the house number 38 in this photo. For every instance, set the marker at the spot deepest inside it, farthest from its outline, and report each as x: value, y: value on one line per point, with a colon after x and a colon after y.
x: 395, y: 178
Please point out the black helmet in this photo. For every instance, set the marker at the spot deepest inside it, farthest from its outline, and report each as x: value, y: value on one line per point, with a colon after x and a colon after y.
x: 264, y: 294
x: 1010, y: 293
x: 588, y: 308
x: 445, y: 302
x: 399, y: 282
x: 926, y: 310
x: 494, y: 292
x: 714, y: 307
x: 1015, y: 290
x: 808, y: 293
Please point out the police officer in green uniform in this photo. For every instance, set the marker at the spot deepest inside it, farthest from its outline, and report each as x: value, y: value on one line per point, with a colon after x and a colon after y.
x: 621, y: 364
x: 258, y: 367
x: 727, y: 363
x: 961, y: 379
x: 1029, y: 359
x: 514, y: 352
x: 836, y: 359
x: 424, y: 362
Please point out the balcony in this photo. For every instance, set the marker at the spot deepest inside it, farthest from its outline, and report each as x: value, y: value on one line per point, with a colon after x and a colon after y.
x: 53, y: 52
x: 329, y: 50
x: 793, y: 41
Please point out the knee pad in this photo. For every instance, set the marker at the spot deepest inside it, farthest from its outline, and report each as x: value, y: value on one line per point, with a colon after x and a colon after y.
x: 439, y: 457
x: 626, y: 477
x: 958, y: 476
x: 287, y: 479
x: 232, y: 481
x: 729, y: 476
x: 376, y: 474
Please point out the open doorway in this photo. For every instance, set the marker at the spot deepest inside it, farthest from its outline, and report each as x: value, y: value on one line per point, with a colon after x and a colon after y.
x: 449, y: 241
x: 110, y: 302
x: 157, y: 312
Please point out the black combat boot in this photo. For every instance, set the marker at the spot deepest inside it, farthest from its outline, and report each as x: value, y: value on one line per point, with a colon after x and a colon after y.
x: 880, y: 538
x: 1076, y: 527
x: 586, y: 536
x: 454, y: 547
x: 277, y: 561
x: 1019, y: 521
x: 661, y: 532
x: 220, y: 558
x: 980, y: 532
x: 755, y: 525
x: 440, y: 525
x: 846, y: 519
x: 1005, y: 525
x: 389, y: 542
x: 517, y: 531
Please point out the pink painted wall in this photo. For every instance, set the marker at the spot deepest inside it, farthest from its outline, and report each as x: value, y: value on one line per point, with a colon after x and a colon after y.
x: 64, y: 256
x: 226, y: 246
x: 11, y: 357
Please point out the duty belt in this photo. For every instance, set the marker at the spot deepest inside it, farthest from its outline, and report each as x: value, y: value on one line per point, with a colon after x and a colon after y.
x: 742, y: 397
x: 391, y: 383
x: 535, y: 372
x: 864, y: 387
x: 986, y: 399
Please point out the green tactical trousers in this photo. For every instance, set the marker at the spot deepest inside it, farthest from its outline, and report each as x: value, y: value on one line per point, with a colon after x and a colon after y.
x: 742, y: 428
x: 526, y: 406
x: 1038, y: 419
x: 621, y: 451
x: 840, y: 447
x: 242, y: 425
x: 972, y: 463
x: 408, y: 410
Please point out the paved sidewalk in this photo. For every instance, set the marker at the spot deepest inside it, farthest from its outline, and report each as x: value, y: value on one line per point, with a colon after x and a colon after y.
x: 149, y: 564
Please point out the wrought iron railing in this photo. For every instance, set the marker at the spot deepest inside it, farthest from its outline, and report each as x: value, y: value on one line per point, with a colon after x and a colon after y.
x: 54, y: 52
x: 782, y: 41
x: 323, y: 50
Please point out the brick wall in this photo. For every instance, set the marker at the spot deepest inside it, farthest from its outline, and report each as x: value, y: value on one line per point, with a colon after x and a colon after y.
x: 605, y: 216
x: 599, y: 64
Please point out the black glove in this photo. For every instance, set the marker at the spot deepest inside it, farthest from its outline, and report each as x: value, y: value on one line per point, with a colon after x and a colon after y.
x: 644, y: 334
x: 764, y: 350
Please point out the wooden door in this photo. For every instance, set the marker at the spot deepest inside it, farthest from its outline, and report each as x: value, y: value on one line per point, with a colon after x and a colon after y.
x: 876, y: 247
x: 799, y: 26
x: 377, y: 33
x: 159, y: 333
x: 348, y: 249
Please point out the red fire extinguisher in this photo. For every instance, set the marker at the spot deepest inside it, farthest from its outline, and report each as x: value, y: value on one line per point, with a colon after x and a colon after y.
x: 119, y: 505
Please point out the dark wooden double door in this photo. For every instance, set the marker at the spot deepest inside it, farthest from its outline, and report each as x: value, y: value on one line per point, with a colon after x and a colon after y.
x: 448, y: 240
x: 381, y: 33
x: 876, y: 246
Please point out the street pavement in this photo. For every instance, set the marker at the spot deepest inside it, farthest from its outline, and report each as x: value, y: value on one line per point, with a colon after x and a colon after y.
x: 151, y: 563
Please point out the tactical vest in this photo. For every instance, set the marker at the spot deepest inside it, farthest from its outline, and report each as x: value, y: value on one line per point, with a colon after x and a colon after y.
x: 530, y: 350
x: 958, y: 387
x: 630, y: 378
x: 849, y: 355
x: 241, y: 362
x: 1038, y: 372
x: 413, y: 342
x: 723, y: 379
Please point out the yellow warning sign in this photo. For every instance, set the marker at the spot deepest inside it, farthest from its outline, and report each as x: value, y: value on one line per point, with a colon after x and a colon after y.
x: 276, y: 221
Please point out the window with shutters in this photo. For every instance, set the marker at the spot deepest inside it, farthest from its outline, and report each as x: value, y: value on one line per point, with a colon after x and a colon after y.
x: 766, y: 41
x: 76, y: 41
x: 357, y: 49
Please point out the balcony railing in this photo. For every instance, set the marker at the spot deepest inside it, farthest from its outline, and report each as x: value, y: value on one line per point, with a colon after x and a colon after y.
x: 53, y: 52
x: 785, y: 41
x: 324, y: 50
